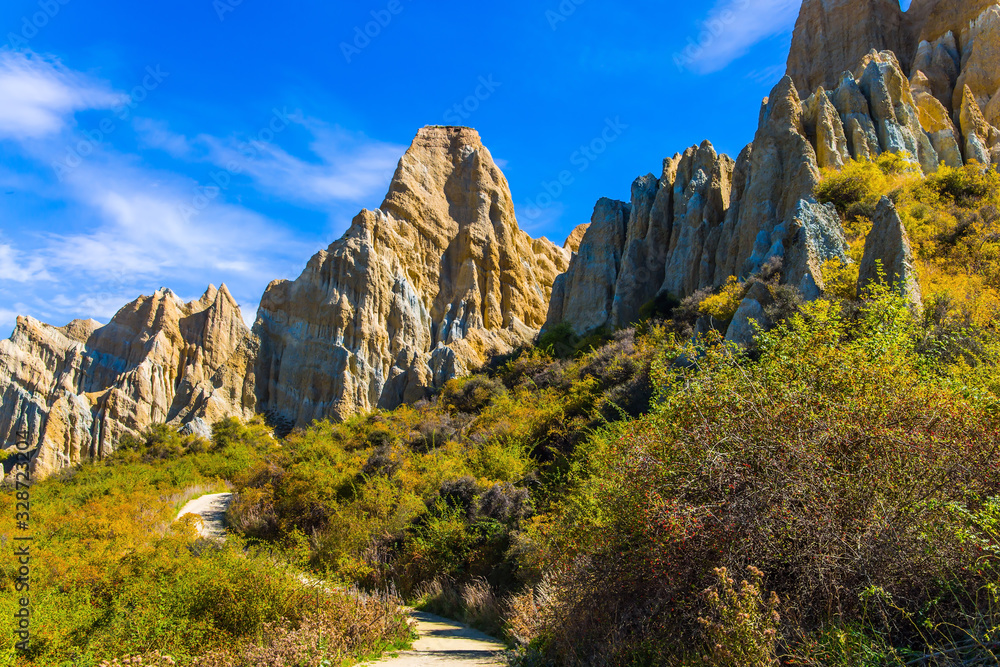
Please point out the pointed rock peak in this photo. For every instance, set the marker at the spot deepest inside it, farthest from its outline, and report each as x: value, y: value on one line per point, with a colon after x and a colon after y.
x: 888, y: 255
x: 447, y: 134
x: 783, y: 106
x: 784, y: 90
x: 206, y: 300
x: 223, y: 295
x: 412, y: 295
x: 972, y: 119
x: 443, y: 179
x: 83, y: 386
x: 219, y: 300
x: 576, y: 237
x: 446, y: 143
x: 80, y: 330
x: 880, y: 60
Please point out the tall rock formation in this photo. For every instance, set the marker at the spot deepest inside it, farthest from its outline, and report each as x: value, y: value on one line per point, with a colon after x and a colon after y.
x: 832, y: 36
x: 925, y: 83
x: 587, y: 288
x: 942, y: 47
x: 888, y: 256
x: 709, y: 217
x: 415, y: 293
x: 72, y: 392
x: 776, y: 215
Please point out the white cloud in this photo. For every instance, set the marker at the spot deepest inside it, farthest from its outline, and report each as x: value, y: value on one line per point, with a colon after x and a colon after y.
x: 116, y: 228
x: 40, y: 95
x: 14, y: 267
x: 156, y: 134
x: 8, y: 319
x: 148, y: 230
x: 350, y: 168
x: 732, y: 28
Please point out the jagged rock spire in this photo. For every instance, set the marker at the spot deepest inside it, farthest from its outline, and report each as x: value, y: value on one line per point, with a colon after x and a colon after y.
x: 414, y: 293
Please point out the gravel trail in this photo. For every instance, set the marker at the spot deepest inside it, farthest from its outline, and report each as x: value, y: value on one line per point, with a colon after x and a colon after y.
x: 212, y: 511
x: 441, y: 642
x: 446, y: 643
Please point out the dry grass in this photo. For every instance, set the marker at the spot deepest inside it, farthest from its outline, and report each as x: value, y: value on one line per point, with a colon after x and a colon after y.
x: 473, y: 602
x: 348, y: 629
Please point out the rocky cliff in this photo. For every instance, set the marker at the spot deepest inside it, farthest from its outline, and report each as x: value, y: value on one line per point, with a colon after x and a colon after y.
x: 415, y: 293
x: 947, y: 49
x: 864, y: 78
x: 708, y: 217
x: 72, y: 392
x: 423, y: 288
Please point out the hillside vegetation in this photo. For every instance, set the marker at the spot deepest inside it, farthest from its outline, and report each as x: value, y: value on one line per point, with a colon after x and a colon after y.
x: 648, y: 497
x: 115, y: 581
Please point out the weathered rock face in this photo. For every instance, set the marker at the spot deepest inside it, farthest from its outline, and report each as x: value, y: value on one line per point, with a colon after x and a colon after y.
x: 982, y: 140
x: 888, y: 256
x: 575, y: 238
x: 832, y: 36
x: 663, y: 241
x: 750, y: 315
x: 776, y: 215
x: 708, y: 217
x: 701, y: 198
x: 414, y: 294
x: 72, y: 392
x: 585, y: 294
x: 941, y: 46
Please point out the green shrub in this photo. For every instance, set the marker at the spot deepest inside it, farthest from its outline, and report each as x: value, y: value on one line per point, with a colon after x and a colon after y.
x: 472, y: 394
x: 661, y: 307
x: 117, y: 579
x: 560, y: 340
x: 831, y: 462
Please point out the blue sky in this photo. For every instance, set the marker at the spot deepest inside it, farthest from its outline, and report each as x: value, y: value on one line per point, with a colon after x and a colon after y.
x: 191, y: 142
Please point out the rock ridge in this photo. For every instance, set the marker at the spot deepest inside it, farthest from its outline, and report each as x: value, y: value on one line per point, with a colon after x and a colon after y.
x: 73, y: 392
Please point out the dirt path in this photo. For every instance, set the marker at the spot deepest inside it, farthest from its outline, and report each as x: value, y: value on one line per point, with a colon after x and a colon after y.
x: 212, y: 510
x: 441, y: 642
x: 444, y: 642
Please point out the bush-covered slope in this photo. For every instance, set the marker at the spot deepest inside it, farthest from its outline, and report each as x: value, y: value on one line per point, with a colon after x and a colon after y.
x: 601, y: 500
x: 112, y: 577
x: 829, y: 496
